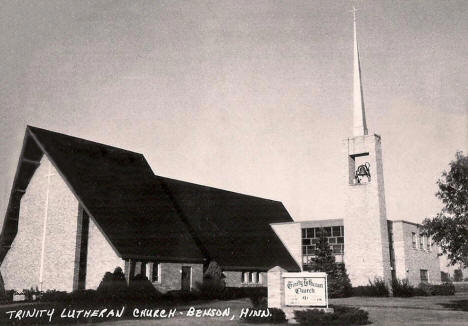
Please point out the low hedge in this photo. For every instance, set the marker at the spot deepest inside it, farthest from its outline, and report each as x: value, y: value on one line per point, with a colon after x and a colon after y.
x: 376, y: 288
x: 343, y: 316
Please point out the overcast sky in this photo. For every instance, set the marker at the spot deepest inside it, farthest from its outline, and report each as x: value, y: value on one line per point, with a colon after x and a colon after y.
x: 249, y: 96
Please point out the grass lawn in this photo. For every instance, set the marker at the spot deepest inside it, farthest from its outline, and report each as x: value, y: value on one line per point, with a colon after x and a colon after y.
x: 435, y: 310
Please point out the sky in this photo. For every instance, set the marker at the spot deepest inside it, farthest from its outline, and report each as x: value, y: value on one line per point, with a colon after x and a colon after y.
x: 249, y: 96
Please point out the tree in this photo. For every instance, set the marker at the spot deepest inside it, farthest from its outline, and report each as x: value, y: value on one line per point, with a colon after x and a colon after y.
x: 449, y: 228
x: 339, y: 284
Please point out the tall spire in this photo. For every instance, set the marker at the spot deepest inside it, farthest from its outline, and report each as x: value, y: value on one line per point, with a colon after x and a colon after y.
x: 359, y: 113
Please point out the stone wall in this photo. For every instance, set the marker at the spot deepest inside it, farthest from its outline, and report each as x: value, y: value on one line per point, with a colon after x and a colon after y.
x: 22, y: 264
x: 171, y: 276
x: 101, y: 257
x: 409, y: 261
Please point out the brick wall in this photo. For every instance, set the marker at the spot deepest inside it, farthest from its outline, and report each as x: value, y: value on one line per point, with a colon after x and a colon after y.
x: 21, y: 266
x: 234, y: 279
x: 101, y: 257
x: 410, y: 261
x: 366, y: 243
x: 171, y: 276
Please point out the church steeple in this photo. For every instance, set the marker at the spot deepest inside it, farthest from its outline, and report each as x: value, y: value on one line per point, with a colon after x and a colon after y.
x: 359, y: 113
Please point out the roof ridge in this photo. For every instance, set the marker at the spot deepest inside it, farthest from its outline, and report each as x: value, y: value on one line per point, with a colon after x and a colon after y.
x: 215, y: 188
x: 33, y: 129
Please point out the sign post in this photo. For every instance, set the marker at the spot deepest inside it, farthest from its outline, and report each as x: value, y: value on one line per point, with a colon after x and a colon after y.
x: 305, y: 289
x: 297, y: 291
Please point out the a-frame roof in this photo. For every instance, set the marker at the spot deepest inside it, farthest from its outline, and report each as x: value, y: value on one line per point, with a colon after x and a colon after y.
x: 145, y: 216
x: 233, y: 228
x: 117, y: 189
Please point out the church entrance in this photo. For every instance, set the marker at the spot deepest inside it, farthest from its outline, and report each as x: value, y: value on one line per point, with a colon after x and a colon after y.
x: 186, y: 278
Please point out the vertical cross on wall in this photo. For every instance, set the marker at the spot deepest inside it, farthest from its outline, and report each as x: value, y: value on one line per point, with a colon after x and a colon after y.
x: 44, y: 229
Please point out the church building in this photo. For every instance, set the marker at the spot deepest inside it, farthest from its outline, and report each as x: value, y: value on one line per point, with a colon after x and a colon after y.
x: 370, y: 245
x: 79, y: 209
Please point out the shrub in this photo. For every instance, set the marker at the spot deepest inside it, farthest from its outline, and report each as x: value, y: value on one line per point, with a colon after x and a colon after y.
x: 140, y: 289
x: 402, y: 288
x: 341, y: 316
x: 231, y: 293
x: 54, y: 296
x: 211, y: 288
x: 259, y: 302
x: 444, y: 289
x: 376, y: 288
x: 113, y: 286
x: 270, y: 315
x: 424, y: 289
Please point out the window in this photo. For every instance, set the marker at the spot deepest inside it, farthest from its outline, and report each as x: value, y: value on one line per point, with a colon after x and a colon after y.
x: 424, y: 276
x: 421, y: 246
x: 413, y: 239
x: 251, y: 277
x: 156, y: 272
x: 245, y: 277
x: 336, y: 231
x: 311, y: 236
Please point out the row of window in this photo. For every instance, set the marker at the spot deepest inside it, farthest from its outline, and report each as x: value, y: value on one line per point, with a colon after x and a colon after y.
x: 251, y: 278
x: 421, y: 242
x: 329, y: 231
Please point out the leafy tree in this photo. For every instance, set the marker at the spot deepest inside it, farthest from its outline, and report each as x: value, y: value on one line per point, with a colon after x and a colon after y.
x: 449, y: 228
x: 339, y: 284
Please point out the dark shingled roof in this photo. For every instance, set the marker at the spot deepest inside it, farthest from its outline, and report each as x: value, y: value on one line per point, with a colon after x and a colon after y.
x: 233, y: 228
x: 146, y: 216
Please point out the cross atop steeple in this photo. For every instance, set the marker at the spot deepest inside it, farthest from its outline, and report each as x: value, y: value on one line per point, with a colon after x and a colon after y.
x: 359, y: 113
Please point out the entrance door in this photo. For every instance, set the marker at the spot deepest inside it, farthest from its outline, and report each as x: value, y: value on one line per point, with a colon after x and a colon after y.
x: 186, y: 278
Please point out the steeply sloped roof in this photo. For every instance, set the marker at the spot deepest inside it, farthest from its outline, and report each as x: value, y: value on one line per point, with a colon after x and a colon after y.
x: 118, y: 189
x: 234, y: 229
x: 149, y: 217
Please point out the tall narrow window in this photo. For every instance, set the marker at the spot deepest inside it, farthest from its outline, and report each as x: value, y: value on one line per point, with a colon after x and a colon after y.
x: 245, y: 277
x: 156, y: 273
x: 424, y: 275
x: 421, y: 246
x: 413, y: 239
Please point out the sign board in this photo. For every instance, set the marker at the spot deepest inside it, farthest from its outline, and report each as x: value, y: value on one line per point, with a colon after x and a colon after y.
x: 305, y: 289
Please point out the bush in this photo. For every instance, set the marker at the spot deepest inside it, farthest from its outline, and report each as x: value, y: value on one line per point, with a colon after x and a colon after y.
x: 231, y: 293
x: 211, y: 288
x: 259, y: 302
x: 341, y: 316
x: 113, y: 286
x: 141, y: 289
x: 270, y: 315
x: 55, y: 296
x: 402, y: 288
x: 377, y: 288
x: 444, y: 289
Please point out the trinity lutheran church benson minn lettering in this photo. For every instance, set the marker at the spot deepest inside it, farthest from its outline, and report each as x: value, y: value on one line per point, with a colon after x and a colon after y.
x: 78, y: 209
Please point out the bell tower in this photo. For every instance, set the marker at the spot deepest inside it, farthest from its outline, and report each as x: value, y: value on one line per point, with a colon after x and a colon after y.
x: 365, y: 218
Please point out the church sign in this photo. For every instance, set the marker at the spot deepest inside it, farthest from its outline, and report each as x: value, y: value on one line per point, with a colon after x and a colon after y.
x: 305, y: 289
